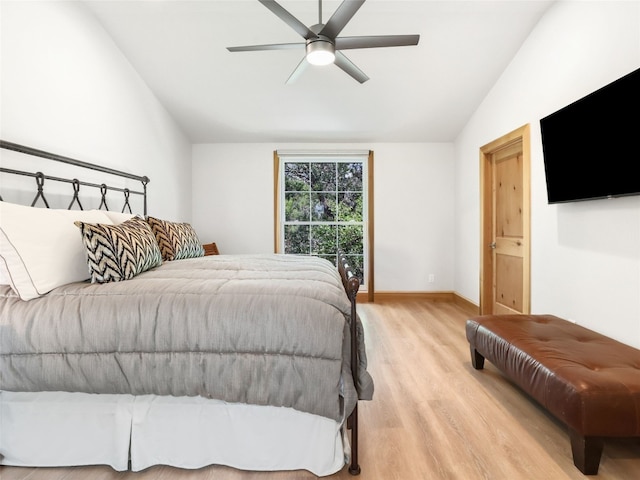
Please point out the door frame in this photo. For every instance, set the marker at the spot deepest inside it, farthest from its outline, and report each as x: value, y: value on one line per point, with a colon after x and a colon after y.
x: 487, y: 216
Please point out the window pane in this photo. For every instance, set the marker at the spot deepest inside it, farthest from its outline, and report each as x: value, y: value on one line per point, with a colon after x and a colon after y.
x: 350, y: 207
x: 323, y: 177
x: 296, y: 177
x: 296, y: 239
x: 350, y: 239
x: 324, y: 206
x: 350, y: 176
x: 297, y: 207
x: 323, y: 239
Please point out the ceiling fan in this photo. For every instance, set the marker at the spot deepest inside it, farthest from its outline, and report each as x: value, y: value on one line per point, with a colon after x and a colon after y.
x: 322, y: 43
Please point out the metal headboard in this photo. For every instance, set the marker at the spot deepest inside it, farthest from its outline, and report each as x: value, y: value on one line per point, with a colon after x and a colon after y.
x: 40, y: 178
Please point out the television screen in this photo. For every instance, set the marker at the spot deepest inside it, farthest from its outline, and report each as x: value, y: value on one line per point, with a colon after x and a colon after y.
x: 590, y: 147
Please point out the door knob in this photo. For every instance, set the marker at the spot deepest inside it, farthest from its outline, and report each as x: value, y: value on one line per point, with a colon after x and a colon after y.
x: 492, y: 245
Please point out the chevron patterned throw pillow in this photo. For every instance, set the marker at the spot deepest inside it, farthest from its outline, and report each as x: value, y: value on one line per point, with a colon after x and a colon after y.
x: 176, y: 240
x: 119, y: 252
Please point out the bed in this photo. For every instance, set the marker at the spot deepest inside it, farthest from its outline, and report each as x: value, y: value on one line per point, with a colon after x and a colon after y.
x: 122, y: 343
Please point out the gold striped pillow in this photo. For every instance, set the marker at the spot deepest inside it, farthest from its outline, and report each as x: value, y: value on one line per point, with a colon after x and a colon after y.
x: 176, y: 240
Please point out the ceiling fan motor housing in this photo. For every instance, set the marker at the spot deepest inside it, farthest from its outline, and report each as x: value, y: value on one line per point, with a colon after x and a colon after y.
x: 320, y: 50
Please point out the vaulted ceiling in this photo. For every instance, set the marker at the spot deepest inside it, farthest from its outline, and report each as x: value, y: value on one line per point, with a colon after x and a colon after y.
x: 423, y: 93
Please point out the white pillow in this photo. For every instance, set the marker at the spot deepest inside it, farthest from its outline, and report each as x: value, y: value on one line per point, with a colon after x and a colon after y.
x: 117, y: 217
x: 42, y: 248
x: 4, y: 275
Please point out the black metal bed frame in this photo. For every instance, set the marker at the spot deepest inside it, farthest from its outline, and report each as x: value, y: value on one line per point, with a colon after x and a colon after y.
x: 40, y: 178
x: 350, y: 280
x: 351, y: 284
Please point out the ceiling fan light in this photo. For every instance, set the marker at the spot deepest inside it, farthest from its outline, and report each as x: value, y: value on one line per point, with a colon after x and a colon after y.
x: 320, y: 52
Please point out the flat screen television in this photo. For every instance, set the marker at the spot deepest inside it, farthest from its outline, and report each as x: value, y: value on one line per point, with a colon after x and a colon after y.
x: 591, y: 147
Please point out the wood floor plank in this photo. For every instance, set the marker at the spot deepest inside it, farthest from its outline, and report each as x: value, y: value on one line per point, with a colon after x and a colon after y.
x: 433, y: 415
x: 15, y: 473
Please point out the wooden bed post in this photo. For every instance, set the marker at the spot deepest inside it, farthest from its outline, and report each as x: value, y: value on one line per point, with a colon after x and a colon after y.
x: 351, y: 285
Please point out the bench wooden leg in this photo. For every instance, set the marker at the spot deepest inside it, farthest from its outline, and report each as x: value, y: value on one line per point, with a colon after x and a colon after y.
x: 477, y: 360
x: 586, y: 452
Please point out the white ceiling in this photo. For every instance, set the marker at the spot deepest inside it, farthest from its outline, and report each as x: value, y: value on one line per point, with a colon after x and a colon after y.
x: 423, y: 93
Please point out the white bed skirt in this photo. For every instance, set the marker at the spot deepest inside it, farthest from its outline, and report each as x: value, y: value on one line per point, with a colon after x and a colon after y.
x: 135, y: 432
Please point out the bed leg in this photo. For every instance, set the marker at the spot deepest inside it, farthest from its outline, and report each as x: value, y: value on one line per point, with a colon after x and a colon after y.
x: 477, y: 360
x: 354, y: 468
x: 586, y: 452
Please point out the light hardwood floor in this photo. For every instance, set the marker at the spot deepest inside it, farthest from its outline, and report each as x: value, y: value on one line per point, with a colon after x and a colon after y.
x: 432, y: 417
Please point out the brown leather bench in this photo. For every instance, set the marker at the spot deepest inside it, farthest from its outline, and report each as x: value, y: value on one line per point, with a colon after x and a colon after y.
x: 588, y: 381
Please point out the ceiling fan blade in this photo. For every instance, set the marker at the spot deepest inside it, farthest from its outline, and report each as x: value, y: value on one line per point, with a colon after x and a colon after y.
x: 272, y: 46
x: 374, y: 41
x: 341, y: 17
x: 289, y: 19
x: 302, y: 66
x: 348, y: 66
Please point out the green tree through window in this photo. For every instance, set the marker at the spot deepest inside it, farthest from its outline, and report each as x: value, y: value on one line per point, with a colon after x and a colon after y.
x: 324, y: 209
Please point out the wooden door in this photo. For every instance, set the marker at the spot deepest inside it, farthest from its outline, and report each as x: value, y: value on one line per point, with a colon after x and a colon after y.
x: 505, y: 223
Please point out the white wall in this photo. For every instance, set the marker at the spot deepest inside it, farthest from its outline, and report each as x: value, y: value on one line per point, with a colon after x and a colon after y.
x: 66, y: 88
x: 233, y: 196
x: 413, y: 194
x: 585, y: 256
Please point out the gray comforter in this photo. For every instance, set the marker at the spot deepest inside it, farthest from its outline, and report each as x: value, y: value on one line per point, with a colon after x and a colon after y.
x: 258, y: 329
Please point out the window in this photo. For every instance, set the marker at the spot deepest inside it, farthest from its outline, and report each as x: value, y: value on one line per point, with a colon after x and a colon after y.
x: 323, y: 206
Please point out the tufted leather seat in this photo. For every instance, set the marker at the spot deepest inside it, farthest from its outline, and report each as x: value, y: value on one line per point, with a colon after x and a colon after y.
x: 585, y: 379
